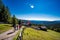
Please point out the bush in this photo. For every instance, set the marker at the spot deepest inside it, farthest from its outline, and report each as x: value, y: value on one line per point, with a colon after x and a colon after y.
x: 58, y: 29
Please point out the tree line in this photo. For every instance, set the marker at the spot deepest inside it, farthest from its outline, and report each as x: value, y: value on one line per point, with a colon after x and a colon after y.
x: 54, y: 27
x: 5, y: 15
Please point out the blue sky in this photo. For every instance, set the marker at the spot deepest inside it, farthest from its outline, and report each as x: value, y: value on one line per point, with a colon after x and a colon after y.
x: 34, y: 9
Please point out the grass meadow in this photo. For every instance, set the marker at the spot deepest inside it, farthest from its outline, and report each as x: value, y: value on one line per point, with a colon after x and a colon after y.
x: 5, y: 27
x: 33, y: 34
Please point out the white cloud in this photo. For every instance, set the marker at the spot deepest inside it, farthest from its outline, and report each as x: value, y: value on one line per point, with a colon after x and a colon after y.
x: 42, y: 17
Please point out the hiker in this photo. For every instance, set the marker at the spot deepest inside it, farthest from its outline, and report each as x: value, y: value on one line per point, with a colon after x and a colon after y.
x: 17, y: 27
x: 19, y: 24
x: 28, y: 23
x: 14, y: 27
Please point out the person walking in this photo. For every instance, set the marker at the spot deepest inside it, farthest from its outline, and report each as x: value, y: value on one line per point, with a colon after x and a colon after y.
x: 14, y: 22
x: 19, y: 24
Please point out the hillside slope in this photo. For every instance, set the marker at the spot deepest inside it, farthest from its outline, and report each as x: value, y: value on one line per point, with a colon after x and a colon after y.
x: 33, y: 34
x: 5, y: 27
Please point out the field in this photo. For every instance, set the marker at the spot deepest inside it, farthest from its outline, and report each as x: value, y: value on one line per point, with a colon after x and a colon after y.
x: 33, y: 34
x: 4, y: 27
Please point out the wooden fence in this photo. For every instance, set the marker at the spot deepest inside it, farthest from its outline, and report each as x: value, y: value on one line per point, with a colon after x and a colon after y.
x: 21, y: 33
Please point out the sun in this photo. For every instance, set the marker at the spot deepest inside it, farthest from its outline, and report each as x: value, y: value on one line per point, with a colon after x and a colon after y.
x: 32, y: 6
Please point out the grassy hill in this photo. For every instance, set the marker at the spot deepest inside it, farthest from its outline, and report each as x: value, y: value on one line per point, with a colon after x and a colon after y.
x: 33, y: 34
x: 5, y: 27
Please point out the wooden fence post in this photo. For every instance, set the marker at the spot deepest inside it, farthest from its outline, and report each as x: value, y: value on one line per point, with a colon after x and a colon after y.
x: 21, y: 33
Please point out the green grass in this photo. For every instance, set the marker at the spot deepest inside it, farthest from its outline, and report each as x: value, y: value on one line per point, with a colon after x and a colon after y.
x: 4, y: 27
x: 33, y: 34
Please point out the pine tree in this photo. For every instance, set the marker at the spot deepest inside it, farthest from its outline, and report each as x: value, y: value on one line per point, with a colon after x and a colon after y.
x: 7, y: 15
x: 4, y: 13
x: 14, y: 20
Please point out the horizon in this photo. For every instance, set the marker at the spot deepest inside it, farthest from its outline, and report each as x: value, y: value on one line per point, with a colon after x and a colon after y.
x: 45, y: 10
x: 39, y: 20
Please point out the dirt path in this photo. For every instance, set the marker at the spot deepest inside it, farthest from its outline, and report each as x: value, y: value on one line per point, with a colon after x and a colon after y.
x: 8, y: 35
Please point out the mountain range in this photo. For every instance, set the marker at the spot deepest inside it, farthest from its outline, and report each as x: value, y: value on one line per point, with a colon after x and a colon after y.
x: 43, y: 22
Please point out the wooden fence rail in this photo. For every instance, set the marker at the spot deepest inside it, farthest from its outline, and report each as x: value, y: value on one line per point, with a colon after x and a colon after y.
x: 21, y: 33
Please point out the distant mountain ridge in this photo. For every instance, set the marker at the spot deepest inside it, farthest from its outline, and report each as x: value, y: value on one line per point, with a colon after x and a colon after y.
x: 43, y: 22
